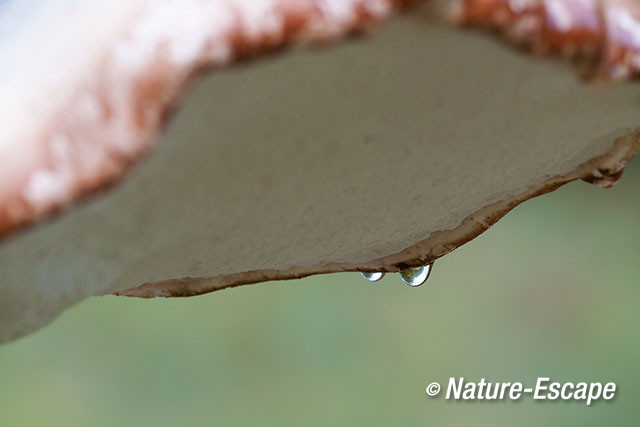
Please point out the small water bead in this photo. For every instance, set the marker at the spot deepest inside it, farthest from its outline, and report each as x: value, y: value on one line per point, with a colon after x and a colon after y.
x: 373, y: 277
x: 416, y: 276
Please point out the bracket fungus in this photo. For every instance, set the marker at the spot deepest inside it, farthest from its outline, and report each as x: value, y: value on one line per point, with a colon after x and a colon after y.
x: 377, y: 154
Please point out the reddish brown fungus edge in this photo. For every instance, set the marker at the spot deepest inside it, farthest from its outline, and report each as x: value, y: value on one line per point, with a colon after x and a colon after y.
x: 601, y: 36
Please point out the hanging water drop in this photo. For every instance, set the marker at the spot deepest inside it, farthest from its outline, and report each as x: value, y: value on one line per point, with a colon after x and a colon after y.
x: 416, y: 276
x: 373, y: 277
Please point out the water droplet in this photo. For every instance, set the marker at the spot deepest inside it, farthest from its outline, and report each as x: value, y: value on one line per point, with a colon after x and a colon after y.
x: 416, y: 276
x: 373, y: 277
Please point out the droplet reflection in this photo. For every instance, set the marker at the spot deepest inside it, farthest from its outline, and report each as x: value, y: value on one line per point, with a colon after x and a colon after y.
x: 373, y: 277
x: 416, y: 276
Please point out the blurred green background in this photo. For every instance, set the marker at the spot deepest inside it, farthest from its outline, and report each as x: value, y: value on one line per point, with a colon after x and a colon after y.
x: 552, y: 290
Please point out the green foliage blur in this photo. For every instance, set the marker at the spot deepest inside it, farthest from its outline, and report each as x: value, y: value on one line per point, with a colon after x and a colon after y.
x: 552, y: 290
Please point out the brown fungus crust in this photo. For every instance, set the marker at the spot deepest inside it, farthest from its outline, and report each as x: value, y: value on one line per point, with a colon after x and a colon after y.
x: 377, y: 154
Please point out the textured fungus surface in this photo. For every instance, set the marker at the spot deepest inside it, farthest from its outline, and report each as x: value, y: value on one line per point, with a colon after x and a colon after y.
x: 377, y: 154
x: 603, y: 35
